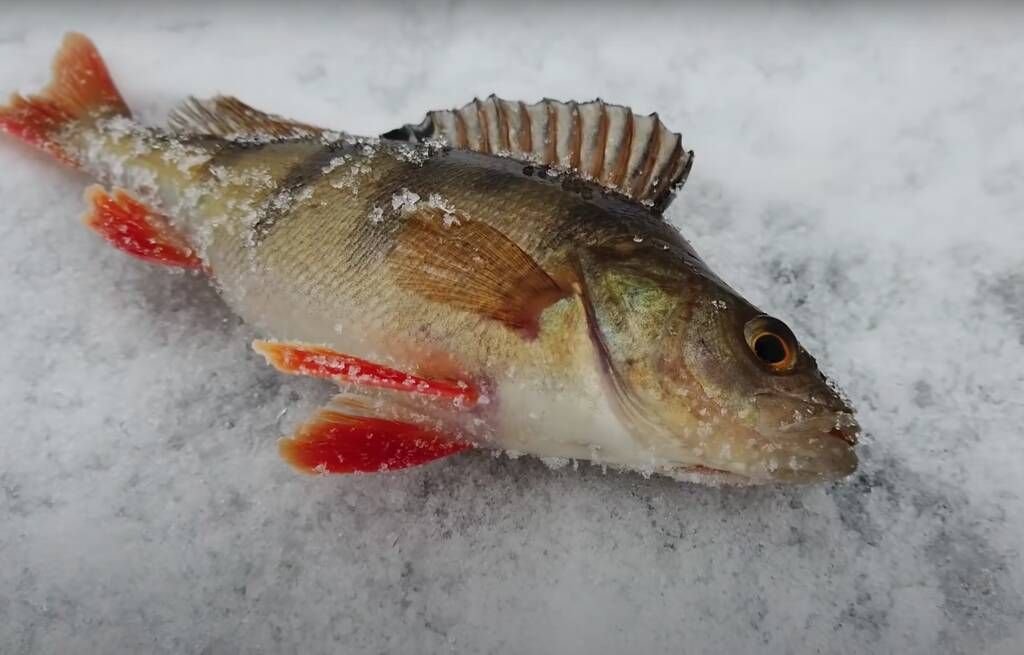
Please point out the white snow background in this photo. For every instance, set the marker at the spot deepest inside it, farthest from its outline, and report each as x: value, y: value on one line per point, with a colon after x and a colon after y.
x: 859, y: 172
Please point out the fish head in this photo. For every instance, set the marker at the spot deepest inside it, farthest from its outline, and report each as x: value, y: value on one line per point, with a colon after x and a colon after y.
x: 783, y: 420
x: 710, y: 384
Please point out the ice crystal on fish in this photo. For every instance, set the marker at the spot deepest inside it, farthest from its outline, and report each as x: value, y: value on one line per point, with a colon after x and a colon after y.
x: 417, y: 153
x: 555, y: 463
x: 405, y: 200
x: 256, y: 176
x: 348, y: 178
x: 329, y: 137
x: 333, y: 164
x: 437, y: 201
x: 184, y: 156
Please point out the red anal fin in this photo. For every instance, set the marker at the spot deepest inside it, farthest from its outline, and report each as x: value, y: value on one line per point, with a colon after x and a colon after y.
x: 135, y: 229
x: 80, y: 87
x: 302, y: 359
x: 339, y: 443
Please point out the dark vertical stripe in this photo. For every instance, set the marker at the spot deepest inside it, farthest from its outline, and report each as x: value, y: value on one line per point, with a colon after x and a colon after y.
x: 552, y: 154
x: 597, y: 169
x: 303, y: 173
x: 575, y: 137
x: 526, y: 133
x: 650, y: 156
x: 461, y: 140
x: 504, y: 139
x: 625, y: 148
x: 481, y: 120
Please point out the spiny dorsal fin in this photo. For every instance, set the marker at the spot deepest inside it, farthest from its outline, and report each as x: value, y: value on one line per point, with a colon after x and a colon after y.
x: 451, y: 259
x: 229, y: 117
x: 636, y: 156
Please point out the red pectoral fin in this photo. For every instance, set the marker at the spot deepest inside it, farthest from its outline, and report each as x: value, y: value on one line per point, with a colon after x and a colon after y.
x: 133, y: 228
x: 340, y: 443
x: 302, y: 359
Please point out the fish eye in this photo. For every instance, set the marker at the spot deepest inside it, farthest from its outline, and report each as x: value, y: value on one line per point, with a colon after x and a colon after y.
x: 772, y: 343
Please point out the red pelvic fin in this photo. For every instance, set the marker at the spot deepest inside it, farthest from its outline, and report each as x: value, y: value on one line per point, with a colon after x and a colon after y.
x: 135, y: 229
x: 81, y: 87
x: 315, y: 361
x: 340, y: 443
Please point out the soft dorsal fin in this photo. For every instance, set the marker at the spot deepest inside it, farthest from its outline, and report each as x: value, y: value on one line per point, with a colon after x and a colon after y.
x: 229, y: 117
x: 636, y: 156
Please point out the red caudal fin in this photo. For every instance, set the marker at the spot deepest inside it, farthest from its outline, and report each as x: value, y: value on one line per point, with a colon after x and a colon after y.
x: 81, y: 87
x: 315, y: 361
x: 334, y: 442
x: 133, y: 228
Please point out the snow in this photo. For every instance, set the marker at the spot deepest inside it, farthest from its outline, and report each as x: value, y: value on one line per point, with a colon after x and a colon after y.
x: 859, y: 172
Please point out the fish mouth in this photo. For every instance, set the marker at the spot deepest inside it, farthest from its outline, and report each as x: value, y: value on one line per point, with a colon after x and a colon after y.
x: 841, y: 425
x: 847, y: 435
x: 815, y: 449
x: 710, y: 476
x: 805, y: 441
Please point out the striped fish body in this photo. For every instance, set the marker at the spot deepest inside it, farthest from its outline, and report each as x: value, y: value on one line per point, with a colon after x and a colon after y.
x: 496, y: 276
x: 315, y: 254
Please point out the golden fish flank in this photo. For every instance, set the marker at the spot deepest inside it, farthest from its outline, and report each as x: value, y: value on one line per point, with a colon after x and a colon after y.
x: 497, y: 276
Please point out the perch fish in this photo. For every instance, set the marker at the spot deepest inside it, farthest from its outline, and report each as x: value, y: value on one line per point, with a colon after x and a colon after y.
x: 498, y: 276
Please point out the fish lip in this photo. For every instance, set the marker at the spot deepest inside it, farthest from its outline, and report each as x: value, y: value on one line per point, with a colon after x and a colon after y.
x: 829, y: 425
x: 823, y: 436
x: 717, y: 475
x: 823, y: 419
x: 841, y: 425
x: 847, y: 434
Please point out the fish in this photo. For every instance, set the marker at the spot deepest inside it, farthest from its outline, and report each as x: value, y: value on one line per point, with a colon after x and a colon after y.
x: 499, y: 276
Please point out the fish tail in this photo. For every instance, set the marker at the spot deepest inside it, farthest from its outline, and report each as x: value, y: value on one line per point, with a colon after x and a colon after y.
x: 80, y: 92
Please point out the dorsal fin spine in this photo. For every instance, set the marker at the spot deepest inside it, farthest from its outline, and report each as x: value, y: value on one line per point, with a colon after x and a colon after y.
x: 526, y: 136
x: 462, y: 138
x: 551, y: 129
x: 650, y: 155
x: 505, y: 123
x: 576, y: 138
x: 481, y: 121
x: 632, y: 155
x: 621, y: 167
x: 601, y: 145
x: 673, y: 162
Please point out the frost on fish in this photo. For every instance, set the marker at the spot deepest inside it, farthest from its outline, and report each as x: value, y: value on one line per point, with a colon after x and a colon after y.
x: 460, y: 296
x: 405, y: 200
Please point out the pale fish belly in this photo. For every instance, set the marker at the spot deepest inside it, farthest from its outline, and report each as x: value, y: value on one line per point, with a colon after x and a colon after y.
x: 574, y: 423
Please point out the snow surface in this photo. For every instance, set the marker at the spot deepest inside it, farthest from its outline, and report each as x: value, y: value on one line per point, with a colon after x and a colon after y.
x: 859, y: 172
